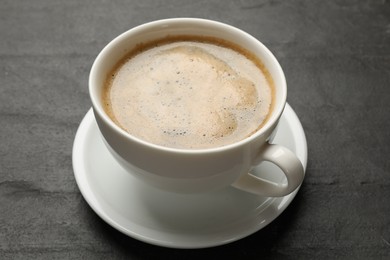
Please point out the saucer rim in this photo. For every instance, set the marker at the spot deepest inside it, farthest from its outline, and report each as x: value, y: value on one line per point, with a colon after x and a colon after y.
x: 92, y: 199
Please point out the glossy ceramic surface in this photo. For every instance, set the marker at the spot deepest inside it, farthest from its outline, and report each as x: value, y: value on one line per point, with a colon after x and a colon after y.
x: 177, y: 220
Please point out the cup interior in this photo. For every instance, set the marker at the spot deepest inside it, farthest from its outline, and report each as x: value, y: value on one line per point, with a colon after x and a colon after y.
x: 121, y: 45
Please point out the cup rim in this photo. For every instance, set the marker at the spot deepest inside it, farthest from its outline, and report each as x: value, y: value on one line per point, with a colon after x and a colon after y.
x: 271, y: 121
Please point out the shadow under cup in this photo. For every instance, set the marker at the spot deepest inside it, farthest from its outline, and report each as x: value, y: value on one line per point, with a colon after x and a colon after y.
x: 183, y: 170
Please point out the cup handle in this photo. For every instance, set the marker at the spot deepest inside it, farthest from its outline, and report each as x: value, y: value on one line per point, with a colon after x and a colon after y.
x: 286, y: 160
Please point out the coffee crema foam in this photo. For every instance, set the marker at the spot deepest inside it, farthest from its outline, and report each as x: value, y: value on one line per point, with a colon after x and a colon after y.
x: 190, y: 94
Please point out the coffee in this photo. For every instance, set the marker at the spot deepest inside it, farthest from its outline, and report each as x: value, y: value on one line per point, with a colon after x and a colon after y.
x: 189, y: 92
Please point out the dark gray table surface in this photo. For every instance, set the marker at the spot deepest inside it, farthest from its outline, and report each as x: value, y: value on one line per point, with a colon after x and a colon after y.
x: 336, y: 57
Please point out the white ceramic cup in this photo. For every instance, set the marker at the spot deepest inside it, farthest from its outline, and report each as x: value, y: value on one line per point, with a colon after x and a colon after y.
x: 196, y: 171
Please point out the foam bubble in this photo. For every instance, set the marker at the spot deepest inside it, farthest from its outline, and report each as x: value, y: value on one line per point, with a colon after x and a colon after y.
x: 190, y: 95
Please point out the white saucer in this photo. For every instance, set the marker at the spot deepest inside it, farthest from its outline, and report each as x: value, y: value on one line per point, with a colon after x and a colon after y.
x: 176, y: 220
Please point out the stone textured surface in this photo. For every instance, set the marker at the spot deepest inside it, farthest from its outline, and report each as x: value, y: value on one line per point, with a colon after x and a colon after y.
x: 336, y: 56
